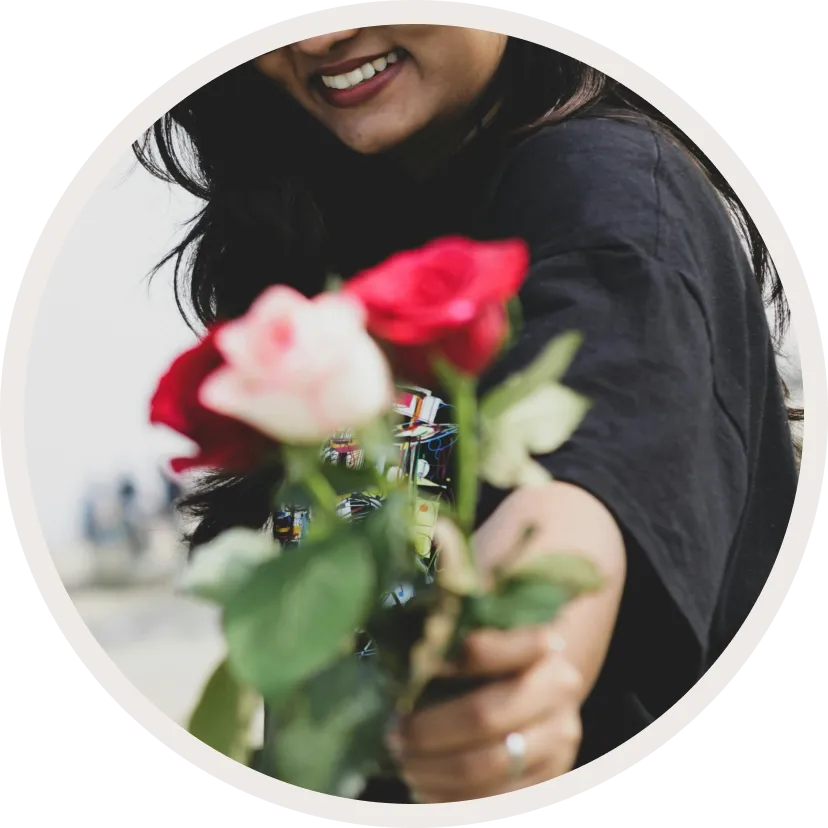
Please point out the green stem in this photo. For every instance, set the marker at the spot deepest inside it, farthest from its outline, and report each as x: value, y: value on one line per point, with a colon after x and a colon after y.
x: 302, y: 466
x: 322, y: 491
x: 465, y: 401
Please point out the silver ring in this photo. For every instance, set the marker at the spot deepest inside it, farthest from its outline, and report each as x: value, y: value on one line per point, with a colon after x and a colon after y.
x: 516, y: 748
x: 556, y: 643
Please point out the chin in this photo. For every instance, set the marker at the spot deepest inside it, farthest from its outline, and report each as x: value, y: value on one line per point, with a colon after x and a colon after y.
x: 372, y: 147
x: 375, y: 143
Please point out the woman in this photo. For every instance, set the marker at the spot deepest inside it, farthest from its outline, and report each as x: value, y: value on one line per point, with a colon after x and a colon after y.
x: 329, y: 154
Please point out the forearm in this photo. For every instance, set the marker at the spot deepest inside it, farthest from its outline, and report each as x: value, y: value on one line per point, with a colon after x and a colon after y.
x: 566, y: 519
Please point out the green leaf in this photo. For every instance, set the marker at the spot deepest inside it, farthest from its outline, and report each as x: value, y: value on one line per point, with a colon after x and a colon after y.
x: 347, y: 481
x: 388, y: 531
x: 300, y: 461
x: 533, y: 592
x: 342, y: 480
x: 292, y: 495
x: 538, y: 423
x: 301, y: 611
x: 331, y: 737
x: 548, y: 367
x: 518, y: 602
x: 223, y: 715
x: 218, y: 569
x: 573, y: 573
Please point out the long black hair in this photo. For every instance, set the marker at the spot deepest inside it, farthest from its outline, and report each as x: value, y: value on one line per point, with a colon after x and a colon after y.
x: 272, y: 181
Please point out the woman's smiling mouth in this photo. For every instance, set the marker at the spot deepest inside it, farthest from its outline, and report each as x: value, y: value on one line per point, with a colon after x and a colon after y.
x: 353, y: 82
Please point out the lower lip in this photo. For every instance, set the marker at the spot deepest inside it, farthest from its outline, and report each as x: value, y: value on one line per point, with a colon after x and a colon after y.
x: 365, y: 91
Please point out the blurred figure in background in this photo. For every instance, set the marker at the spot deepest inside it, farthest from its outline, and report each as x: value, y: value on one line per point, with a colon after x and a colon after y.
x: 132, y: 518
x: 168, y: 512
x: 91, y: 530
x: 172, y: 492
x: 118, y: 527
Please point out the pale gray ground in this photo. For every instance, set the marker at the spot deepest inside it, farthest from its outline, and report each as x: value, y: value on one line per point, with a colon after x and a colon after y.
x: 163, y: 643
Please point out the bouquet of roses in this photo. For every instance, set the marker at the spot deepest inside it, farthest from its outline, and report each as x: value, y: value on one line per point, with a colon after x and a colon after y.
x: 344, y: 612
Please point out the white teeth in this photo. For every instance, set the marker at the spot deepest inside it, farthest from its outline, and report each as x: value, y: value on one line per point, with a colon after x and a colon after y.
x: 364, y: 73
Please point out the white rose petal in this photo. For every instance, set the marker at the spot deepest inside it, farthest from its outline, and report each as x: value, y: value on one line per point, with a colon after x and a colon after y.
x: 328, y: 376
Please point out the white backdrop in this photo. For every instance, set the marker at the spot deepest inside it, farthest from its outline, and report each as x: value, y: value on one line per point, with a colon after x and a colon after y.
x: 104, y: 334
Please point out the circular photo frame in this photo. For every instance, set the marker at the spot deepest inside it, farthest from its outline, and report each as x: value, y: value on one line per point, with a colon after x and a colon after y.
x: 13, y: 414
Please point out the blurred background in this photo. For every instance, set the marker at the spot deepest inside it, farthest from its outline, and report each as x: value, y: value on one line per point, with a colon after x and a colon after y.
x: 104, y: 335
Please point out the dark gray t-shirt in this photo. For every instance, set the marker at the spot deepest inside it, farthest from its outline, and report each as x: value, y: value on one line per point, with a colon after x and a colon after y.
x: 687, y: 442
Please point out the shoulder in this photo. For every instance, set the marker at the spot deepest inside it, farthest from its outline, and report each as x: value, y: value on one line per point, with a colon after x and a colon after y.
x: 598, y: 141
x: 578, y: 183
x: 600, y: 181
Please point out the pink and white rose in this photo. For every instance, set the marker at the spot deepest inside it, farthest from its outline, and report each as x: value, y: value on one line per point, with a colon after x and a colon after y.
x: 299, y: 369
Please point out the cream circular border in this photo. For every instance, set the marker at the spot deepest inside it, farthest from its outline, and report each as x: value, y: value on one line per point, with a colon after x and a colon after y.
x: 12, y: 414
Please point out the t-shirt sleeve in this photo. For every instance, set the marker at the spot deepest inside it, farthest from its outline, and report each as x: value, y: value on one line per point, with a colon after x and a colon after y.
x: 658, y: 446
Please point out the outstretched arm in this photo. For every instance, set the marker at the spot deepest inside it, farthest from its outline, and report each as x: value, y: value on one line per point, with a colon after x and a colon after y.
x: 457, y: 750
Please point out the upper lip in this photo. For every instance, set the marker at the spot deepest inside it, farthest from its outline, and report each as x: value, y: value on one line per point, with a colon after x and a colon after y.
x: 348, y: 65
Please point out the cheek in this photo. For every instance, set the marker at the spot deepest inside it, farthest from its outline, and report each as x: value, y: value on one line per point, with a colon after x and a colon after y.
x: 485, y: 58
x: 456, y: 77
x: 278, y: 67
x: 476, y: 59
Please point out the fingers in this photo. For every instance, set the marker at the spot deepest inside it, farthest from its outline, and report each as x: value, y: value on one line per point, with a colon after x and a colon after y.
x: 551, y: 750
x: 493, y: 711
x: 491, y: 652
x: 485, y: 764
x: 456, y: 750
x: 560, y: 760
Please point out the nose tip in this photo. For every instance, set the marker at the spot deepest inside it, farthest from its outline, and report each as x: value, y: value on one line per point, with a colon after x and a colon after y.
x: 323, y: 44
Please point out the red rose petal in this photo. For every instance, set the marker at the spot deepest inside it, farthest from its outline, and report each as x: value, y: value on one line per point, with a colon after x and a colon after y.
x: 222, y: 442
x: 447, y: 297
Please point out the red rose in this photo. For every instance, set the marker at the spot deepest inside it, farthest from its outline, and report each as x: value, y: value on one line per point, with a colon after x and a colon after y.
x: 223, y: 443
x: 447, y: 298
